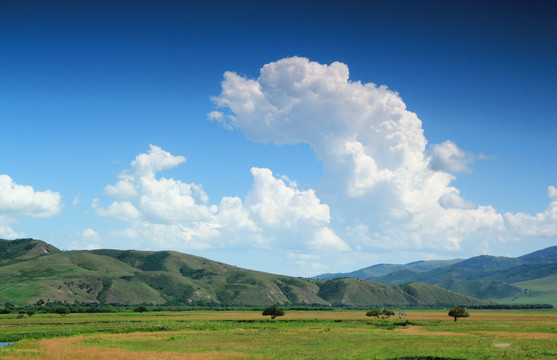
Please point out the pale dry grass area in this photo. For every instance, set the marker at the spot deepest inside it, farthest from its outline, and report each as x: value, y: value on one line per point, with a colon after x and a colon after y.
x: 72, y: 348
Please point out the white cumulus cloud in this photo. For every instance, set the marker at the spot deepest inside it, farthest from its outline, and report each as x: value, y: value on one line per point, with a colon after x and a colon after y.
x: 326, y: 239
x: 449, y: 157
x: 6, y: 231
x: 275, y: 204
x: 543, y: 224
x: 23, y: 200
x: 453, y: 200
x: 170, y: 213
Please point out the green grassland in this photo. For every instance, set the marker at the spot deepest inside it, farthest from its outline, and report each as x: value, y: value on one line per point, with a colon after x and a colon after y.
x: 297, y: 335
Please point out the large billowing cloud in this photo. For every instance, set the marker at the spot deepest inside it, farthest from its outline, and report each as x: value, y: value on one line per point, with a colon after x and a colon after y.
x: 168, y: 213
x: 390, y: 189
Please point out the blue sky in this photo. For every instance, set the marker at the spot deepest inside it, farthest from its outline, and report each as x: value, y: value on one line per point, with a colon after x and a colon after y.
x: 121, y: 130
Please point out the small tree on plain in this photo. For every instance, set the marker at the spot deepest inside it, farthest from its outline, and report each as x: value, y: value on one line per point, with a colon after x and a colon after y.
x: 458, y: 312
x: 273, y: 311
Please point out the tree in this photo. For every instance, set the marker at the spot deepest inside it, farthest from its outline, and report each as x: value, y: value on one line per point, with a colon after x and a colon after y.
x: 30, y: 313
x: 374, y: 312
x: 387, y: 313
x: 140, y: 309
x: 62, y: 310
x: 273, y: 311
x: 380, y: 313
x: 458, y: 311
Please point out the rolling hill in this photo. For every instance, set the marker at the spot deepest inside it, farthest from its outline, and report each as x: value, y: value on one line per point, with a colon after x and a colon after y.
x: 22, y: 249
x: 531, y: 278
x: 34, y: 272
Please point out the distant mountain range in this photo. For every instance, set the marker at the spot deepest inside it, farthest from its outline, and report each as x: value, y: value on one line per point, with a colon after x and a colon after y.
x: 34, y: 272
x: 531, y: 278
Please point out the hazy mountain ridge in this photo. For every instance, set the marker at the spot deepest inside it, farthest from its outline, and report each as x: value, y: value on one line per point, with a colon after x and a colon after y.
x: 529, y: 278
x: 378, y: 270
x: 33, y: 271
x: 544, y: 256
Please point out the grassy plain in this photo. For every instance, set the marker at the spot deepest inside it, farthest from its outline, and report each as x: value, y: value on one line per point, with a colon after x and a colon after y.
x: 297, y: 335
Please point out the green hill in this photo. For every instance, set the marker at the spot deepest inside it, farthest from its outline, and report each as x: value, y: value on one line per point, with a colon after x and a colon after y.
x: 503, y: 286
x: 130, y: 277
x: 482, y: 289
x: 423, y: 294
x: 531, y: 278
x: 544, y: 256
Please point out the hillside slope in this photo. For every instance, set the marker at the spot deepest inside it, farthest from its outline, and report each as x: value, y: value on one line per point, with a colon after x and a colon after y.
x: 167, y: 277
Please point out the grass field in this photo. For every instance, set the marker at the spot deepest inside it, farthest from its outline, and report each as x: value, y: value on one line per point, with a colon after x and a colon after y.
x: 297, y: 335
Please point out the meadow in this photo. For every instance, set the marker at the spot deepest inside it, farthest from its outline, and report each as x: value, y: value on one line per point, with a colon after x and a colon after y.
x: 338, y: 334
